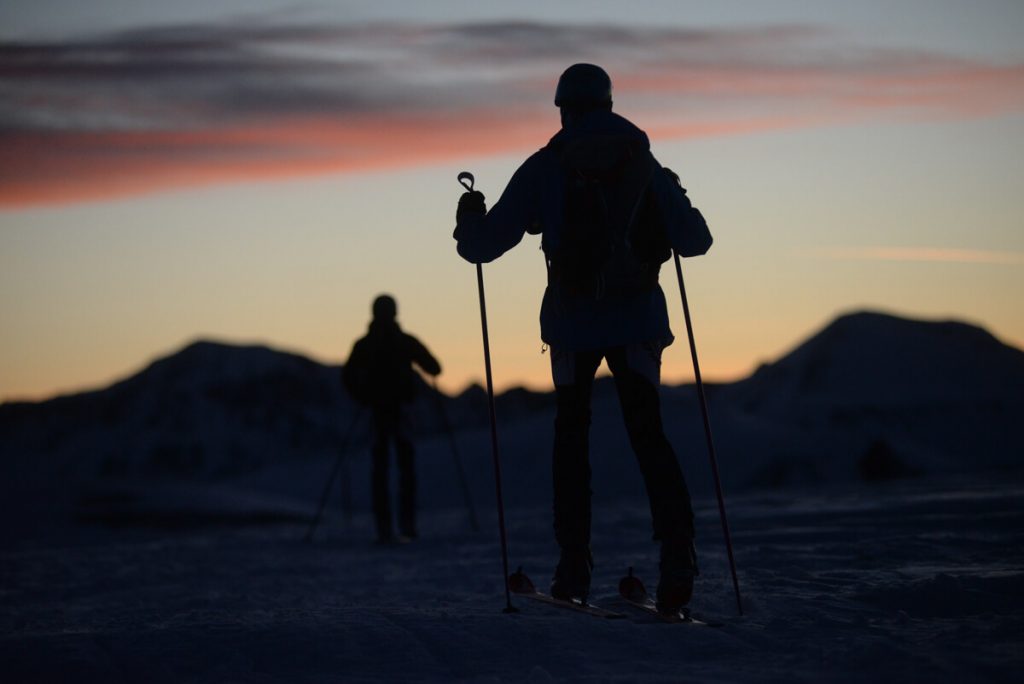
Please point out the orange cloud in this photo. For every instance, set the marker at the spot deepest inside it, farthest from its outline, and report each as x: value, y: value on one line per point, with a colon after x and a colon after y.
x: 78, y: 166
x: 143, y: 111
x: 82, y: 166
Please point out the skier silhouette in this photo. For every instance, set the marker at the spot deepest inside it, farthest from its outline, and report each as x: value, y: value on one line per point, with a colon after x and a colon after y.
x: 609, y: 215
x: 379, y: 374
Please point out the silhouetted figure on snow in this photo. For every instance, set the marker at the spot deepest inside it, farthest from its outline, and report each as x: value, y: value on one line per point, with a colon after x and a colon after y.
x: 379, y: 374
x: 609, y: 215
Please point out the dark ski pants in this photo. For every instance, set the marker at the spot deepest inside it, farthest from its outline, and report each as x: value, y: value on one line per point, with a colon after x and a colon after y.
x: 671, y: 510
x: 388, y: 427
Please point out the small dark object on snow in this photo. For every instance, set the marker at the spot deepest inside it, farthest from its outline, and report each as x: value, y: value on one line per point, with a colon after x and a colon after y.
x: 880, y: 463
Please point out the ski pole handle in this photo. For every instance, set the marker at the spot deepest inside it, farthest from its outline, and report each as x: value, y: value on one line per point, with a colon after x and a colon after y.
x: 467, y: 180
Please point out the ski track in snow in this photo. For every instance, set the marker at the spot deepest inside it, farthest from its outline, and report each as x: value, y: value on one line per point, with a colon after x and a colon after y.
x: 906, y: 582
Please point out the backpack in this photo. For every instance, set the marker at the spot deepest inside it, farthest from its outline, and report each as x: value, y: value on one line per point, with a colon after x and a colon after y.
x: 379, y: 370
x: 613, y: 240
x: 355, y: 376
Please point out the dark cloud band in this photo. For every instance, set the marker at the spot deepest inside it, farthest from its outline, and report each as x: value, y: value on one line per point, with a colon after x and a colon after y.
x: 153, y: 94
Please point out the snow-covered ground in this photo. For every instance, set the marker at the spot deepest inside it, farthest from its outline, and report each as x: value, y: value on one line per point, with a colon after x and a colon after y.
x: 915, y: 581
x: 152, y: 531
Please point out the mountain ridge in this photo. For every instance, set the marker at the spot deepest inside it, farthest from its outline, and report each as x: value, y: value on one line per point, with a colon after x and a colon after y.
x: 933, y: 394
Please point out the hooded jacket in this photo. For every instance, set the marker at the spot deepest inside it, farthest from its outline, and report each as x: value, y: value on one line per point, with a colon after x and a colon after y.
x: 534, y: 202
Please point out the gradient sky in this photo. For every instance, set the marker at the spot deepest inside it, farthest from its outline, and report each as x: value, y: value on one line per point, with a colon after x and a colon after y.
x: 259, y: 171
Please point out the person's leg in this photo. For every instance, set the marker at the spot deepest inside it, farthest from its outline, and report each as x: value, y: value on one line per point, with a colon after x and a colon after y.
x: 405, y: 457
x: 637, y: 376
x: 380, y: 476
x: 570, y: 468
x: 574, y: 380
x: 636, y: 381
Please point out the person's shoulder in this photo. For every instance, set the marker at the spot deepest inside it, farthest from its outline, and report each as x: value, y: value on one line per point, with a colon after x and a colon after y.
x: 414, y: 347
x: 627, y: 127
x: 536, y: 168
x: 362, y: 343
x: 542, y: 158
x: 359, y: 350
x: 410, y: 339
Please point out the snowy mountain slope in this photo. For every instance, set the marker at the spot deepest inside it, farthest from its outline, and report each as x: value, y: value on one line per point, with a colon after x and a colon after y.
x: 209, y: 411
x: 878, y: 396
x: 871, y: 397
x: 869, y: 358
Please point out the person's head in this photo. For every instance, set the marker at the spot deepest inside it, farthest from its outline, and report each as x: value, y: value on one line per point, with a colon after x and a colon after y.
x: 384, y: 308
x: 583, y: 88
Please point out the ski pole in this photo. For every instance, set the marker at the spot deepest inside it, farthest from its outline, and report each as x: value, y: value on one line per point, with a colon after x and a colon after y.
x: 459, y: 470
x: 466, y: 180
x: 707, y: 432
x: 334, y: 472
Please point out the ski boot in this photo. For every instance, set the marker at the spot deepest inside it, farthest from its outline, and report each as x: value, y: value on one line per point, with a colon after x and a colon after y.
x: 572, y: 576
x: 407, y: 530
x: 678, y: 568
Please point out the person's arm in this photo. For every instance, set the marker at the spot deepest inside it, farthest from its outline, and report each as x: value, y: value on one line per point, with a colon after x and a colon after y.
x: 422, y: 357
x: 687, y: 230
x: 483, y: 235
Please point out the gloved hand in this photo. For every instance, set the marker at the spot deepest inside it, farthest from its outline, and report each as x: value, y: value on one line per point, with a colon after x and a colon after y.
x: 470, y: 204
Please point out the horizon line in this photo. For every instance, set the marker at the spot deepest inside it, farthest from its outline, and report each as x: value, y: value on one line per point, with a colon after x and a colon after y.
x: 753, y: 365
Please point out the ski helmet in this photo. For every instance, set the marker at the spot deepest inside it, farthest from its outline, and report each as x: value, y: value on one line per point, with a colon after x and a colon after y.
x: 583, y: 85
x: 385, y: 308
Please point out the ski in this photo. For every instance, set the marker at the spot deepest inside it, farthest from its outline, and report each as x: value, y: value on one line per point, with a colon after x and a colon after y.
x: 521, y: 585
x: 633, y: 592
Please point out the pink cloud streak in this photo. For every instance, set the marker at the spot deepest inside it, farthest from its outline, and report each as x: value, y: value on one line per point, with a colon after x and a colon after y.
x: 144, y: 112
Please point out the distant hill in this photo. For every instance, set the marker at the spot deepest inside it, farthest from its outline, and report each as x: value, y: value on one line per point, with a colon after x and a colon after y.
x: 871, y: 396
x: 880, y: 360
x: 211, y: 410
x: 898, y: 396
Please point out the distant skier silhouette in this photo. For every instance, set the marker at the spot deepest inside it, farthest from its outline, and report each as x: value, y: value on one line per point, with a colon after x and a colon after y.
x: 609, y: 215
x: 379, y: 374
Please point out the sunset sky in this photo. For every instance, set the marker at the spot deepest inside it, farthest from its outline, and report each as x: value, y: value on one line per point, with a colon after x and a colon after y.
x: 258, y: 171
